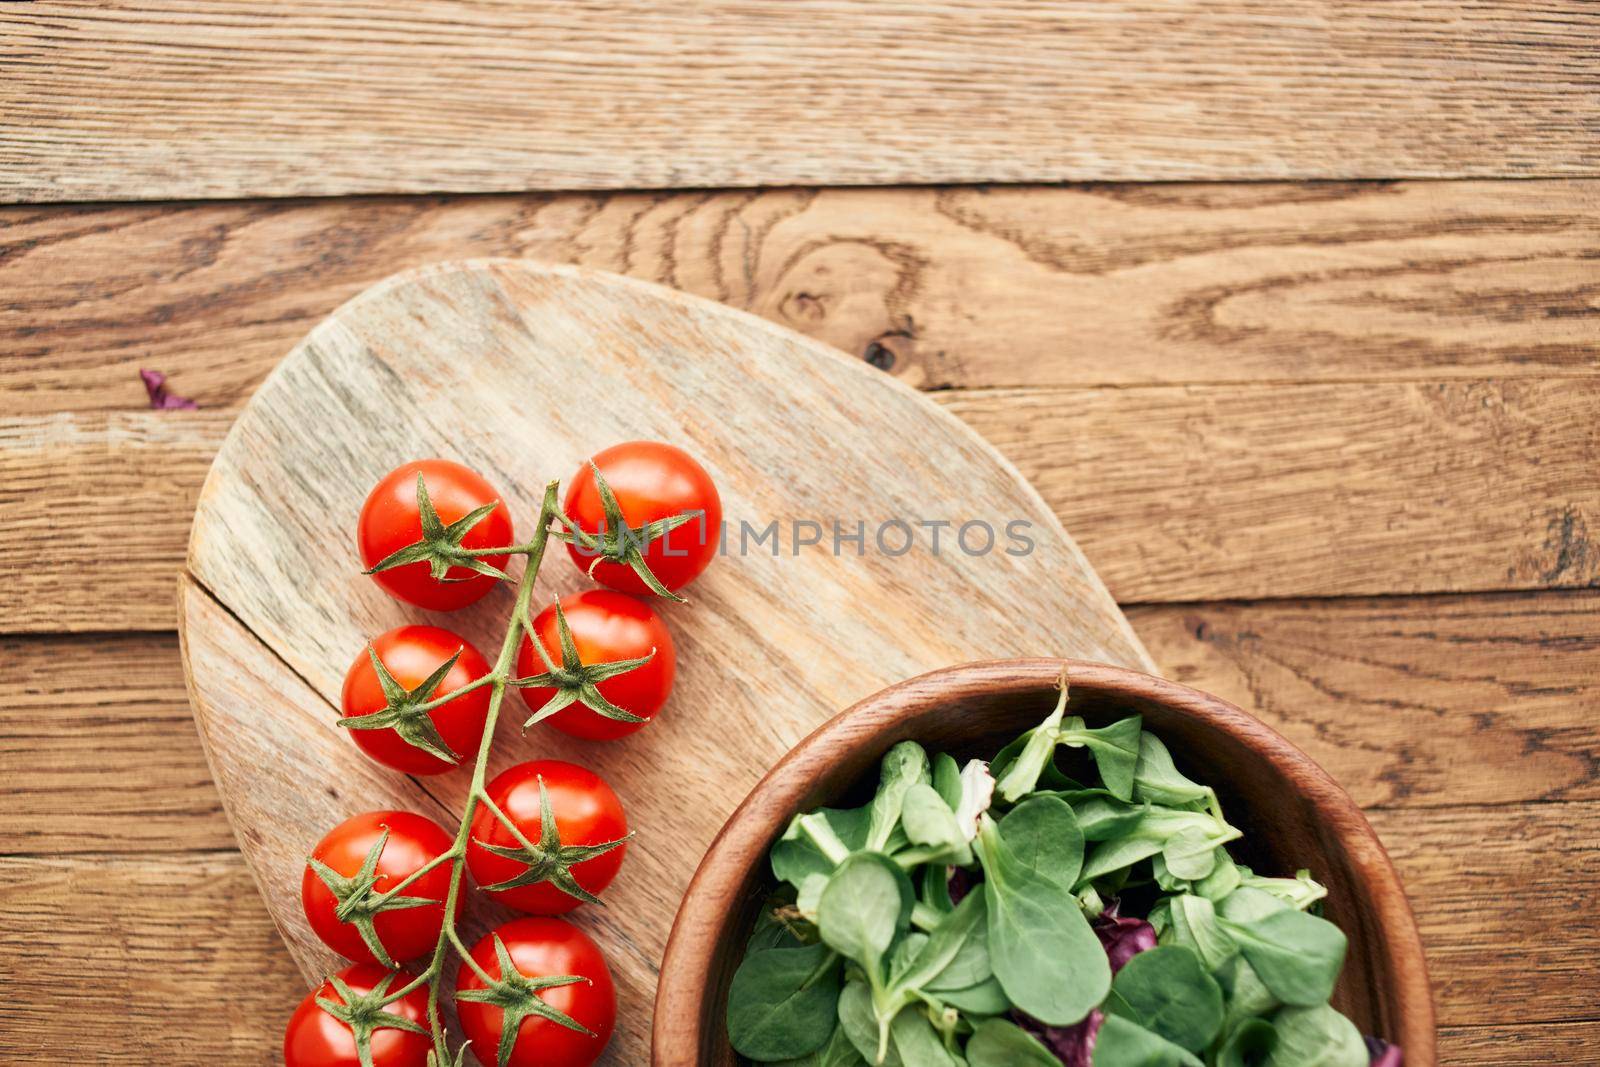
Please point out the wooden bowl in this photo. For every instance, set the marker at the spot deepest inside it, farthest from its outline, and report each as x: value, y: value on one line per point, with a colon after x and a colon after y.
x: 1293, y: 814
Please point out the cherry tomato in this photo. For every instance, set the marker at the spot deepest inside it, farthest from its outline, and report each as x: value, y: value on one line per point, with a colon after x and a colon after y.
x: 587, y: 813
x: 391, y: 520
x: 542, y: 948
x: 411, y: 654
x: 605, y: 626
x: 316, y: 1039
x: 412, y: 842
x: 651, y: 481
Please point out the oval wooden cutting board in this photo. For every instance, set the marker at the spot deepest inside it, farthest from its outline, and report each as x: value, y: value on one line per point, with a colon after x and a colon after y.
x: 521, y: 372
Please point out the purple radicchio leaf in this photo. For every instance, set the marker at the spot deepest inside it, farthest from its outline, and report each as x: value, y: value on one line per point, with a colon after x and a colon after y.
x: 1122, y: 939
x: 1073, y: 1045
x: 1384, y: 1054
x: 961, y: 882
x: 155, y: 385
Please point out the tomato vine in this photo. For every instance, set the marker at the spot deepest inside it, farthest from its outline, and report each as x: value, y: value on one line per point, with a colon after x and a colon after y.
x: 498, y: 680
x: 422, y: 700
x: 444, y: 550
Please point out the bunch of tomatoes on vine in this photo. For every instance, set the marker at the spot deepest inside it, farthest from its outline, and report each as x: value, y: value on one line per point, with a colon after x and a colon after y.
x: 386, y: 889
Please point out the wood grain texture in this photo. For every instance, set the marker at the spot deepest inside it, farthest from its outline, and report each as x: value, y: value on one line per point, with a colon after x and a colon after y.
x: 541, y: 366
x: 194, y: 929
x: 1557, y: 1044
x: 1408, y: 702
x: 1196, y: 493
x: 111, y: 497
x: 1200, y: 492
x: 1428, y: 701
x: 949, y: 288
x: 98, y: 751
x: 1482, y: 900
x: 235, y: 101
x: 140, y: 959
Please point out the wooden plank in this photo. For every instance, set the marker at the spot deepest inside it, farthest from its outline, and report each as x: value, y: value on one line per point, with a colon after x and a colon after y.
x: 1504, y: 897
x: 105, y: 502
x: 184, y: 98
x: 1176, y: 494
x: 140, y: 959
x: 1552, y: 1044
x: 1410, y: 703
x: 1222, y: 492
x: 173, y: 931
x: 1091, y: 285
x: 98, y: 750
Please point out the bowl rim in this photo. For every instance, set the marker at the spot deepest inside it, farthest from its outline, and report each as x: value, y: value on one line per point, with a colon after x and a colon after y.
x: 714, y: 891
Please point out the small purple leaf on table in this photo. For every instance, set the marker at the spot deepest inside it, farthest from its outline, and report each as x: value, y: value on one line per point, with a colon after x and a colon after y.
x: 161, y: 398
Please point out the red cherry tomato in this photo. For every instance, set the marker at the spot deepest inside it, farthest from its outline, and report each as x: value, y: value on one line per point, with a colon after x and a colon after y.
x: 316, y: 1039
x: 413, y: 842
x: 605, y: 626
x: 541, y: 948
x: 587, y: 813
x: 390, y: 520
x: 411, y: 653
x: 651, y: 481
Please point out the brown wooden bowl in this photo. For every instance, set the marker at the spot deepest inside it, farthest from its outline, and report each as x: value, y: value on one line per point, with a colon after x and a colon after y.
x: 1294, y: 815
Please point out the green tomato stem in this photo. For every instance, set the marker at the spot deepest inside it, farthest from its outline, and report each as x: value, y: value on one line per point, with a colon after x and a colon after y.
x: 497, y: 680
x: 415, y: 983
x: 505, y: 820
x: 476, y: 683
x: 395, y: 890
x: 466, y: 956
x: 528, y: 549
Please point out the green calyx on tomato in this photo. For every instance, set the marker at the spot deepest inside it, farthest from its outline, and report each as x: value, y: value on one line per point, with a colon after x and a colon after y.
x: 517, y: 996
x: 358, y: 901
x: 407, y: 712
x: 364, y: 1013
x: 575, y: 681
x: 617, y: 542
x: 549, y: 860
x: 440, y: 547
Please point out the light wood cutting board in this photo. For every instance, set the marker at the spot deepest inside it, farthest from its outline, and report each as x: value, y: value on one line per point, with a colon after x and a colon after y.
x: 522, y: 371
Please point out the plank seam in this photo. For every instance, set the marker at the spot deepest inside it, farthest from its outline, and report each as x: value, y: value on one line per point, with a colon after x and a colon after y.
x: 420, y: 782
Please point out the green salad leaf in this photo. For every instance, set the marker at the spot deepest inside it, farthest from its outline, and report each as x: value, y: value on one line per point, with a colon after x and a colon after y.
x: 1248, y: 1045
x: 1123, y: 1043
x: 1296, y: 955
x: 1042, y: 834
x: 1157, y: 780
x: 1167, y: 991
x: 1043, y: 951
x: 782, y: 1002
x: 999, y: 1043
x: 865, y: 906
x: 905, y: 765
x: 1316, y: 1037
x: 931, y: 823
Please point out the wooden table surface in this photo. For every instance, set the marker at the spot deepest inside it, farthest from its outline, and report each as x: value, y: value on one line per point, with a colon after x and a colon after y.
x: 1302, y: 343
